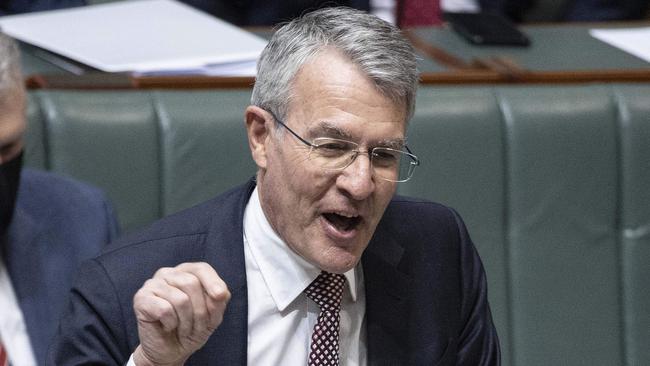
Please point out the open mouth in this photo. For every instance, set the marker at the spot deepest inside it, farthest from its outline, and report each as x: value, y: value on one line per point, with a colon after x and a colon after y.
x: 342, y: 222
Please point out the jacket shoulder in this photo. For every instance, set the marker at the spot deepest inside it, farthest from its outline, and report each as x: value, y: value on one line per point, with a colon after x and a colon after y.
x: 185, y: 227
x: 66, y: 207
x: 49, y: 191
x: 416, y: 207
x: 417, y: 223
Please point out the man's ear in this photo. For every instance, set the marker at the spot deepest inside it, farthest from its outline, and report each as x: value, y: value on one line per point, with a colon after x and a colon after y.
x: 259, y: 125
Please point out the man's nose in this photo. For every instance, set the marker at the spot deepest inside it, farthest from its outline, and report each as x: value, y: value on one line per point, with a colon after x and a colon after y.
x: 357, y: 179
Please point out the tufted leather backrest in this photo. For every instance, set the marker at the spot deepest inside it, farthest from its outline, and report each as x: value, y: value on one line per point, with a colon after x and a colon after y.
x: 154, y: 153
x: 553, y: 182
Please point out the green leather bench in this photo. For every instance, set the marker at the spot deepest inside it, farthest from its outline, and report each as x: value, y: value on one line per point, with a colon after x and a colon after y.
x: 553, y: 182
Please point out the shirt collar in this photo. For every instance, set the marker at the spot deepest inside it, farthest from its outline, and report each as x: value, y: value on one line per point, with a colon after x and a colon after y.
x: 285, y: 273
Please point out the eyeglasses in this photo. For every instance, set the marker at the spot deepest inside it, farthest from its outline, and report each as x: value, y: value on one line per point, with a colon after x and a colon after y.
x: 335, y: 154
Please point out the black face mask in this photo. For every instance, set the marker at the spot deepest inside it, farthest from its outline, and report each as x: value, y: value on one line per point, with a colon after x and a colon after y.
x: 9, y: 179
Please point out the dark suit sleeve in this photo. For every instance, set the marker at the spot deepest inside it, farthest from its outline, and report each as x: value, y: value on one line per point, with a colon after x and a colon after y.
x: 478, y: 343
x: 90, y: 331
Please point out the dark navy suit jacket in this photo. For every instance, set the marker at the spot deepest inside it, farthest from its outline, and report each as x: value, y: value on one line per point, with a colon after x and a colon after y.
x: 426, y: 300
x: 57, y: 224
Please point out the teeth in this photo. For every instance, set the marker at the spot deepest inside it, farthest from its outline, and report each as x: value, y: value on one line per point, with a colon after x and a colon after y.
x: 343, y: 221
x: 345, y: 214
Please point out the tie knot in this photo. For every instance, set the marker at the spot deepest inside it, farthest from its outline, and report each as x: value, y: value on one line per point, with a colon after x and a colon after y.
x: 327, y: 290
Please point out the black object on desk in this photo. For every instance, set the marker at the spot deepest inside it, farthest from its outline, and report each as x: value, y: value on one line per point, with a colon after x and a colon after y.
x: 486, y: 29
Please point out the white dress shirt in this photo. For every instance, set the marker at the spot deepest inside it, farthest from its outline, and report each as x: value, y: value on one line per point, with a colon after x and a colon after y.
x: 280, y: 316
x: 13, y: 332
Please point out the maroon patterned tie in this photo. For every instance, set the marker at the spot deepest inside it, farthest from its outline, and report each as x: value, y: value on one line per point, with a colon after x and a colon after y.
x: 326, y: 291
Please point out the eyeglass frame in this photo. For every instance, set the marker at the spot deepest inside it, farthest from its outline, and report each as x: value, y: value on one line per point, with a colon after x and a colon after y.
x: 414, y: 163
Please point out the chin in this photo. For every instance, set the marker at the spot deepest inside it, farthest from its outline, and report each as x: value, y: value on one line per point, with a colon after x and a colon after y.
x: 339, y: 260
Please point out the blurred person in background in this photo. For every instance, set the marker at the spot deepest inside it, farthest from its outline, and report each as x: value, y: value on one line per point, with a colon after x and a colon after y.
x: 48, y: 225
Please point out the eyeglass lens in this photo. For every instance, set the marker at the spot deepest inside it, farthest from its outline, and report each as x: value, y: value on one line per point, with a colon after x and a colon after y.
x: 389, y: 164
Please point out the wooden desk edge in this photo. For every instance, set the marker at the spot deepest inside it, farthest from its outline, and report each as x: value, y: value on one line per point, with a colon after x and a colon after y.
x: 123, y: 81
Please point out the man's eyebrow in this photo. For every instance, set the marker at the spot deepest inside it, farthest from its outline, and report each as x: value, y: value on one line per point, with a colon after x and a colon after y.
x: 328, y: 129
x: 396, y: 144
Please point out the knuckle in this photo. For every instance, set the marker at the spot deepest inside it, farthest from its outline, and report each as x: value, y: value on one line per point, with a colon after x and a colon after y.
x: 223, y: 295
x: 162, y: 272
x: 189, y: 265
x: 140, y: 294
x: 139, y: 302
x: 201, y: 314
x: 181, y: 299
x: 144, y: 293
x: 205, y: 269
x: 164, y: 310
x: 187, y: 280
x: 150, y: 284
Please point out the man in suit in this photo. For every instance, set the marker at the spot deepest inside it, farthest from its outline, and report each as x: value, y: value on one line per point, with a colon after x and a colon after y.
x: 48, y: 226
x: 314, y: 261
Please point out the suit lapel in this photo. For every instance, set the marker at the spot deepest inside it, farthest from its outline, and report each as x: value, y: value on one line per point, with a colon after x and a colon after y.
x: 387, y: 300
x: 225, y: 252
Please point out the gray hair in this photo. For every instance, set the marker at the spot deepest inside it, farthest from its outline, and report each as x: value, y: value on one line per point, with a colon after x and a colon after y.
x: 11, y: 79
x: 377, y: 47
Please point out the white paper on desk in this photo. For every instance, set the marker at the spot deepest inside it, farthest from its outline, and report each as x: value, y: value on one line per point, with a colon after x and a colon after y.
x: 141, y: 36
x: 239, y: 68
x: 631, y: 40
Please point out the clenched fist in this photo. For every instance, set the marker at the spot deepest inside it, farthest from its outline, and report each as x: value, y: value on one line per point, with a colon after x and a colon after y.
x: 177, y: 311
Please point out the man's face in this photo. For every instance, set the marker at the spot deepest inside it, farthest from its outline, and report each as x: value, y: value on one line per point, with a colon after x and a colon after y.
x: 328, y: 217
